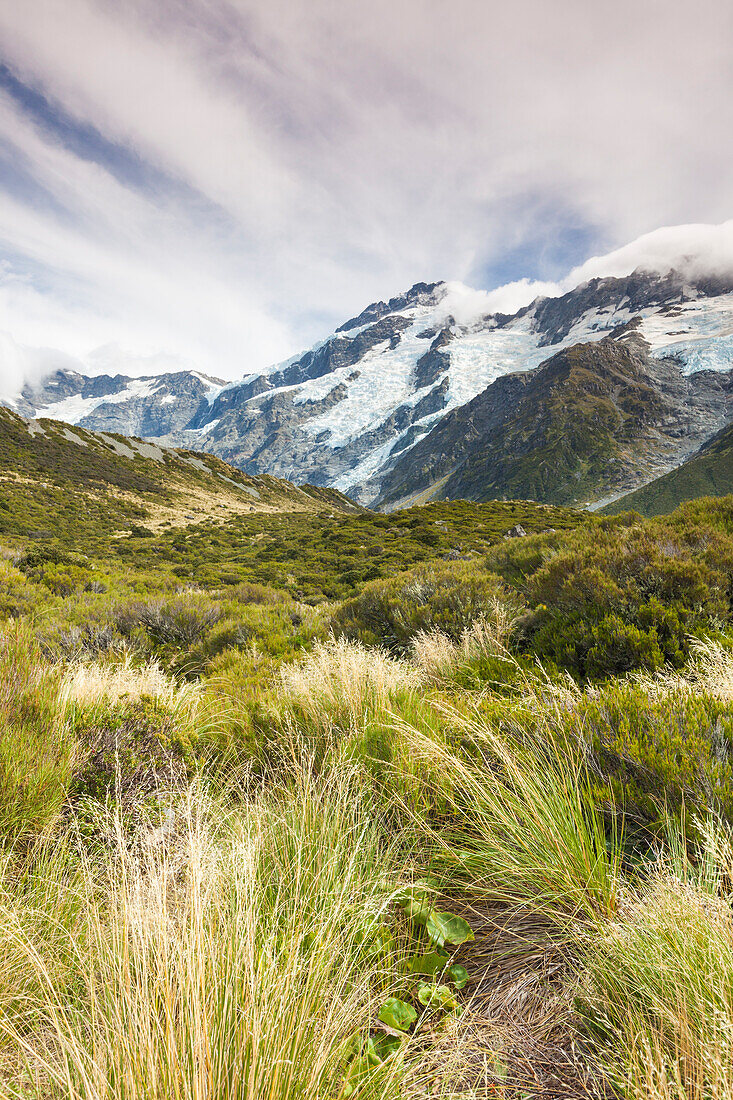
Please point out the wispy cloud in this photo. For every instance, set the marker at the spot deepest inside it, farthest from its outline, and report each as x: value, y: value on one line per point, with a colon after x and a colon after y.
x: 221, y: 180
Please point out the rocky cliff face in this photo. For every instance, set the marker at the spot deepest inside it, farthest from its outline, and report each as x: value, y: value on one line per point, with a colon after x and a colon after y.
x: 404, y: 394
x: 151, y: 407
x: 706, y: 473
x: 596, y: 419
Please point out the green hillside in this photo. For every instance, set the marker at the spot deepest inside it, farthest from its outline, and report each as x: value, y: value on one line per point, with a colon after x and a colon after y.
x: 77, y: 488
x: 707, y: 473
x: 304, y: 802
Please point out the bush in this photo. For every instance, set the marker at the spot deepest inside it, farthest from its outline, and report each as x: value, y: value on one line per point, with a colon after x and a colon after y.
x: 442, y: 596
x: 619, y: 595
x: 36, y: 749
x: 61, y: 573
x: 129, y: 749
x: 653, y: 749
x: 17, y: 595
x: 178, y: 624
x: 597, y: 649
x: 62, y: 580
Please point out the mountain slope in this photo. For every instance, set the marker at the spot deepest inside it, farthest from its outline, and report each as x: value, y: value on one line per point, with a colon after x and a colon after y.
x: 81, y: 487
x: 152, y: 406
x: 350, y: 409
x: 707, y: 473
x: 592, y: 419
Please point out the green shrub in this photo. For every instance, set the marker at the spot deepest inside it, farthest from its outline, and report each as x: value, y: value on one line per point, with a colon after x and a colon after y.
x: 618, y: 595
x: 654, y: 750
x: 128, y: 749
x: 600, y: 648
x: 446, y: 596
x: 36, y: 749
x: 61, y: 573
x: 17, y: 595
x: 63, y: 580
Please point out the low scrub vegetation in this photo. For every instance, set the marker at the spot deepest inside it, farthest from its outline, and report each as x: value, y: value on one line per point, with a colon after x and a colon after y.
x: 461, y: 829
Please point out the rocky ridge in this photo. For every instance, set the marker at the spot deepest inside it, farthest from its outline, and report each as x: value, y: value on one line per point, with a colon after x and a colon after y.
x: 388, y: 405
x: 595, y: 419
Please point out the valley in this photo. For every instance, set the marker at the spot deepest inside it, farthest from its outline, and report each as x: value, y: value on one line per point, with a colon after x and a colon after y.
x: 366, y: 550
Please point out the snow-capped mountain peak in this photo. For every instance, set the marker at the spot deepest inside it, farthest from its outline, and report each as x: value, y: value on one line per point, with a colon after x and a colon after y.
x: 344, y: 411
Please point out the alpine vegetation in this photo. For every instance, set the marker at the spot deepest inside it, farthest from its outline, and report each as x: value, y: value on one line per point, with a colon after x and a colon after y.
x: 366, y: 550
x: 460, y: 830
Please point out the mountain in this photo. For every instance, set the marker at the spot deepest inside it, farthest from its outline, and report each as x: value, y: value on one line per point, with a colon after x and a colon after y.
x: 153, y: 406
x: 707, y: 473
x: 375, y: 409
x: 58, y: 482
x: 593, y: 420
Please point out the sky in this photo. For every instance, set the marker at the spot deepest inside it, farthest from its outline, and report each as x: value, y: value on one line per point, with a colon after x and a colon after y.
x: 218, y: 183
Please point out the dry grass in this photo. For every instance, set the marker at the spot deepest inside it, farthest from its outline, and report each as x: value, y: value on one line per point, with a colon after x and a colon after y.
x: 436, y: 654
x: 232, y: 959
x: 710, y: 669
x: 659, y: 981
x: 344, y: 678
x: 92, y: 683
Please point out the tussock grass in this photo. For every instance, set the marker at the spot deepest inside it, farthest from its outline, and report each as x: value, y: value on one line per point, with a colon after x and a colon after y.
x: 233, y: 957
x: 345, y: 680
x: 659, y: 983
x: 437, y: 654
x: 710, y: 669
x: 94, y: 683
x: 525, y: 832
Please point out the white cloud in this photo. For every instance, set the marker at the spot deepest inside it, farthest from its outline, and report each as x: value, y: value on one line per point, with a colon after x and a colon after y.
x: 19, y: 364
x: 304, y: 159
x: 467, y: 305
x: 694, y: 250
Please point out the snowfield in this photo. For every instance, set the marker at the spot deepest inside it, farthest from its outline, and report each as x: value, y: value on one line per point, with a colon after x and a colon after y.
x: 698, y: 332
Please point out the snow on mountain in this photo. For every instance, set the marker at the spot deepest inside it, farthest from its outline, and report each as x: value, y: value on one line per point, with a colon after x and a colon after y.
x: 77, y: 408
x: 148, y: 406
x: 343, y: 412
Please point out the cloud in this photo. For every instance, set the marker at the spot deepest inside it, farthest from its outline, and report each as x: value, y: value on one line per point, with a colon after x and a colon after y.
x: 222, y: 181
x: 21, y: 364
x: 466, y: 305
x: 694, y: 250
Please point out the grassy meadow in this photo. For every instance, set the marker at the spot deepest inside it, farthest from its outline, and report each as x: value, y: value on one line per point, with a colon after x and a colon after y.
x: 328, y: 805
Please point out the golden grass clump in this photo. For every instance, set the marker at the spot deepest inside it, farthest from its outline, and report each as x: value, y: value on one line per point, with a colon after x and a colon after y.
x: 232, y: 960
x: 659, y: 993
x: 436, y: 654
x: 93, y: 683
x: 345, y: 678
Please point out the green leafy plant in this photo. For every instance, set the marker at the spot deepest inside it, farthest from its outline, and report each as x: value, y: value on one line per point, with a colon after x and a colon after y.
x: 436, y: 996
x: 398, y: 1014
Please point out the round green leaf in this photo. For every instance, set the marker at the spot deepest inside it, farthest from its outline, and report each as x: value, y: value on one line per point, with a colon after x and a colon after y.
x: 445, y: 928
x: 397, y: 1014
x: 387, y: 1045
x: 436, y: 996
x: 430, y: 964
x: 458, y: 975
